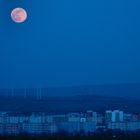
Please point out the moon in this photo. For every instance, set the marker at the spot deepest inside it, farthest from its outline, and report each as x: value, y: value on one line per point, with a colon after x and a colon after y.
x: 19, y: 15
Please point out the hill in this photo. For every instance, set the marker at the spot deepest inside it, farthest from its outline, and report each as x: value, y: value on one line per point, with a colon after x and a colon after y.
x: 66, y: 104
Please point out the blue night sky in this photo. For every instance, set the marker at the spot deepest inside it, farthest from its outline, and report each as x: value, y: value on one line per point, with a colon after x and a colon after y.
x: 70, y: 42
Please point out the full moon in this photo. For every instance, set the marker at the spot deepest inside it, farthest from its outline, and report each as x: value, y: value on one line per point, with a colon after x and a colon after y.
x: 18, y: 15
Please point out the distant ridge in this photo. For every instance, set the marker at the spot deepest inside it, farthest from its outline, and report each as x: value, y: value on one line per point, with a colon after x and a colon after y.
x: 118, y: 90
x: 67, y: 104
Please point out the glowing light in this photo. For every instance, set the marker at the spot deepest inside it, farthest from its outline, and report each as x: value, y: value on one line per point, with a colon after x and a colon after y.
x: 18, y: 15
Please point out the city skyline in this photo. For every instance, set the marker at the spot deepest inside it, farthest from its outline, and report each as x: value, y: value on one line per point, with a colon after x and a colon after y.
x: 72, y: 123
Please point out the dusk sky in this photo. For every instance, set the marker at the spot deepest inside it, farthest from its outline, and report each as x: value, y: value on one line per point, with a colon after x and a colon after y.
x: 70, y: 42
